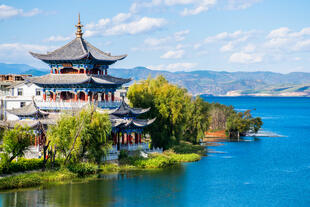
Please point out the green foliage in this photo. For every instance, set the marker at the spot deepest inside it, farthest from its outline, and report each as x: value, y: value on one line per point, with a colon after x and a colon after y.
x: 82, y: 136
x: 169, y: 104
x: 188, y: 157
x: 186, y: 147
x: 238, y: 124
x: 35, y: 179
x: 83, y: 169
x: 23, y: 164
x: 16, y: 141
x: 123, y: 154
x: 198, y: 120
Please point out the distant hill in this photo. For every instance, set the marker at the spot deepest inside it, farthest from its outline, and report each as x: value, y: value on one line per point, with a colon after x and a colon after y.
x: 203, y: 81
x: 219, y: 83
x: 20, y: 69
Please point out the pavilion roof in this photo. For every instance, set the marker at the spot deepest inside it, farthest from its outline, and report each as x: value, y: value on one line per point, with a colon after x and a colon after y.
x: 28, y: 110
x: 66, y: 79
x: 124, y: 109
x: 124, y: 123
x: 78, y: 49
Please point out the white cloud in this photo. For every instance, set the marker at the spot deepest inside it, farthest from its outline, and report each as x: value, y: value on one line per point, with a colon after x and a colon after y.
x: 227, y: 47
x: 121, y: 17
x: 241, y: 4
x: 156, y: 41
x: 179, y: 36
x: 285, y: 39
x: 7, y: 12
x: 245, y: 58
x: 182, y: 66
x: 201, y: 6
x: 198, y: 6
x: 118, y: 27
x: 57, y: 38
x: 19, y: 53
x: 173, y: 54
x: 226, y: 36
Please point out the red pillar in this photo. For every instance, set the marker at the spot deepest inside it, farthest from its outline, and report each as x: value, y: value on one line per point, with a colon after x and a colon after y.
x: 136, y: 138
x: 140, y: 137
x: 123, y: 138
x: 51, y: 70
x: 106, y: 72
x: 54, y: 96
x: 75, y: 97
x: 44, y: 96
x: 106, y: 96
x: 112, y: 96
x: 86, y: 97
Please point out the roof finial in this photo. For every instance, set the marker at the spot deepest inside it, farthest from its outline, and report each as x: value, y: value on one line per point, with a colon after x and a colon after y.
x: 79, y: 26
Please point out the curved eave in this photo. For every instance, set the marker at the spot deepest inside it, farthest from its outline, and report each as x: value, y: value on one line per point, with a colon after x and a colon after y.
x: 40, y: 82
x: 140, y: 123
x: 88, y: 57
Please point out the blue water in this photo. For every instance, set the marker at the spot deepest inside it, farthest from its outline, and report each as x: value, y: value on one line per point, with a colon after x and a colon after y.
x: 264, y: 171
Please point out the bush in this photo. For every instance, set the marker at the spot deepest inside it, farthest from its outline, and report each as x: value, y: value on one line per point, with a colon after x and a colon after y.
x: 123, y: 154
x: 83, y: 169
x: 20, y: 166
x: 186, y: 148
x: 35, y: 179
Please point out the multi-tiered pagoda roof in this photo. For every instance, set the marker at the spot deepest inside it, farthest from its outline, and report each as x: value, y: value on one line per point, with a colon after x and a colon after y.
x: 124, y: 118
x: 78, y: 50
x: 77, y: 79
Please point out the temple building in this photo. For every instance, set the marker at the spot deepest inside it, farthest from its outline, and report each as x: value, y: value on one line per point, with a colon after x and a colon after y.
x: 78, y: 77
x: 126, y: 127
x: 78, y: 74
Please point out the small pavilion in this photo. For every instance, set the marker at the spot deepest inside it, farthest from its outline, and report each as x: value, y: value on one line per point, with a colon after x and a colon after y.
x: 127, y: 129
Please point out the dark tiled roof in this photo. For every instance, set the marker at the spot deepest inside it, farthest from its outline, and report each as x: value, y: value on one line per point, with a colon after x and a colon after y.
x: 63, y: 79
x: 124, y: 109
x: 28, y: 110
x: 75, y: 50
x: 124, y: 123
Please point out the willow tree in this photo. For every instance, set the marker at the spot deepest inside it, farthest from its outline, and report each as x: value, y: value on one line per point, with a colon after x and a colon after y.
x: 169, y: 104
x: 81, y: 136
x: 198, y: 120
x: 16, y: 141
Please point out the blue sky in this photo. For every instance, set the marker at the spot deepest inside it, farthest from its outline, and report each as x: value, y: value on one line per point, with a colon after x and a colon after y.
x: 173, y: 35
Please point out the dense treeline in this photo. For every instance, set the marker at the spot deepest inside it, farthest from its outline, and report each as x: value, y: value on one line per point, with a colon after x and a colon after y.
x: 183, y: 117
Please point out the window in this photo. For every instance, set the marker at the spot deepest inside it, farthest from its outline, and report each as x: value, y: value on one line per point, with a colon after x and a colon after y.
x: 38, y: 92
x: 19, y: 91
x: 22, y: 104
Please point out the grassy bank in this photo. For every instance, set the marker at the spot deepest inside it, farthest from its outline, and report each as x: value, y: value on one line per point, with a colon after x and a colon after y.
x: 35, y: 179
x: 167, y: 159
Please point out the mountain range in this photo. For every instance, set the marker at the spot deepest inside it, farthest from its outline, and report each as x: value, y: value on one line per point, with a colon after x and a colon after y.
x: 206, y: 81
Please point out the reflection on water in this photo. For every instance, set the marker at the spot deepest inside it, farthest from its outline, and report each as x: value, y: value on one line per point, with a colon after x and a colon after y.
x: 136, y: 188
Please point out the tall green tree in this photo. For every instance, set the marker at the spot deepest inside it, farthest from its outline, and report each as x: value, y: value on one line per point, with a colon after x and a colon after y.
x: 198, y: 120
x: 168, y: 104
x: 16, y: 141
x: 81, y: 136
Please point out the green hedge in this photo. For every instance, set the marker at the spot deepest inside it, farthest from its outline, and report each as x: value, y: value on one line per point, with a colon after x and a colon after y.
x: 24, y: 164
x: 187, y: 148
x: 21, y: 165
x: 83, y: 169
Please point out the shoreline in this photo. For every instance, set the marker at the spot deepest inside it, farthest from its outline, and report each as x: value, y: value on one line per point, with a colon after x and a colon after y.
x: 30, y: 179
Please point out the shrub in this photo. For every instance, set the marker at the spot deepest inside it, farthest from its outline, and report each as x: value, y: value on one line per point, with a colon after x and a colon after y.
x: 123, y: 154
x: 186, y: 148
x: 20, y: 166
x: 83, y: 169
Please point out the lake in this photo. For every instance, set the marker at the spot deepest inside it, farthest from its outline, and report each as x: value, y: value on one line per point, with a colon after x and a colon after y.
x: 272, y: 170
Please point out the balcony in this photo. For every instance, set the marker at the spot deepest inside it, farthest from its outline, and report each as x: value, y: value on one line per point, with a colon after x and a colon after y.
x: 73, y: 105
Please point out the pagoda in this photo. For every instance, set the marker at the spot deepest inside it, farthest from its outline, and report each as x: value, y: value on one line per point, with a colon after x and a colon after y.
x: 78, y: 75
x: 127, y: 128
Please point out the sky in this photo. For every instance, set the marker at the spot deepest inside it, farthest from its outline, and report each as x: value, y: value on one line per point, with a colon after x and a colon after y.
x: 172, y: 35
